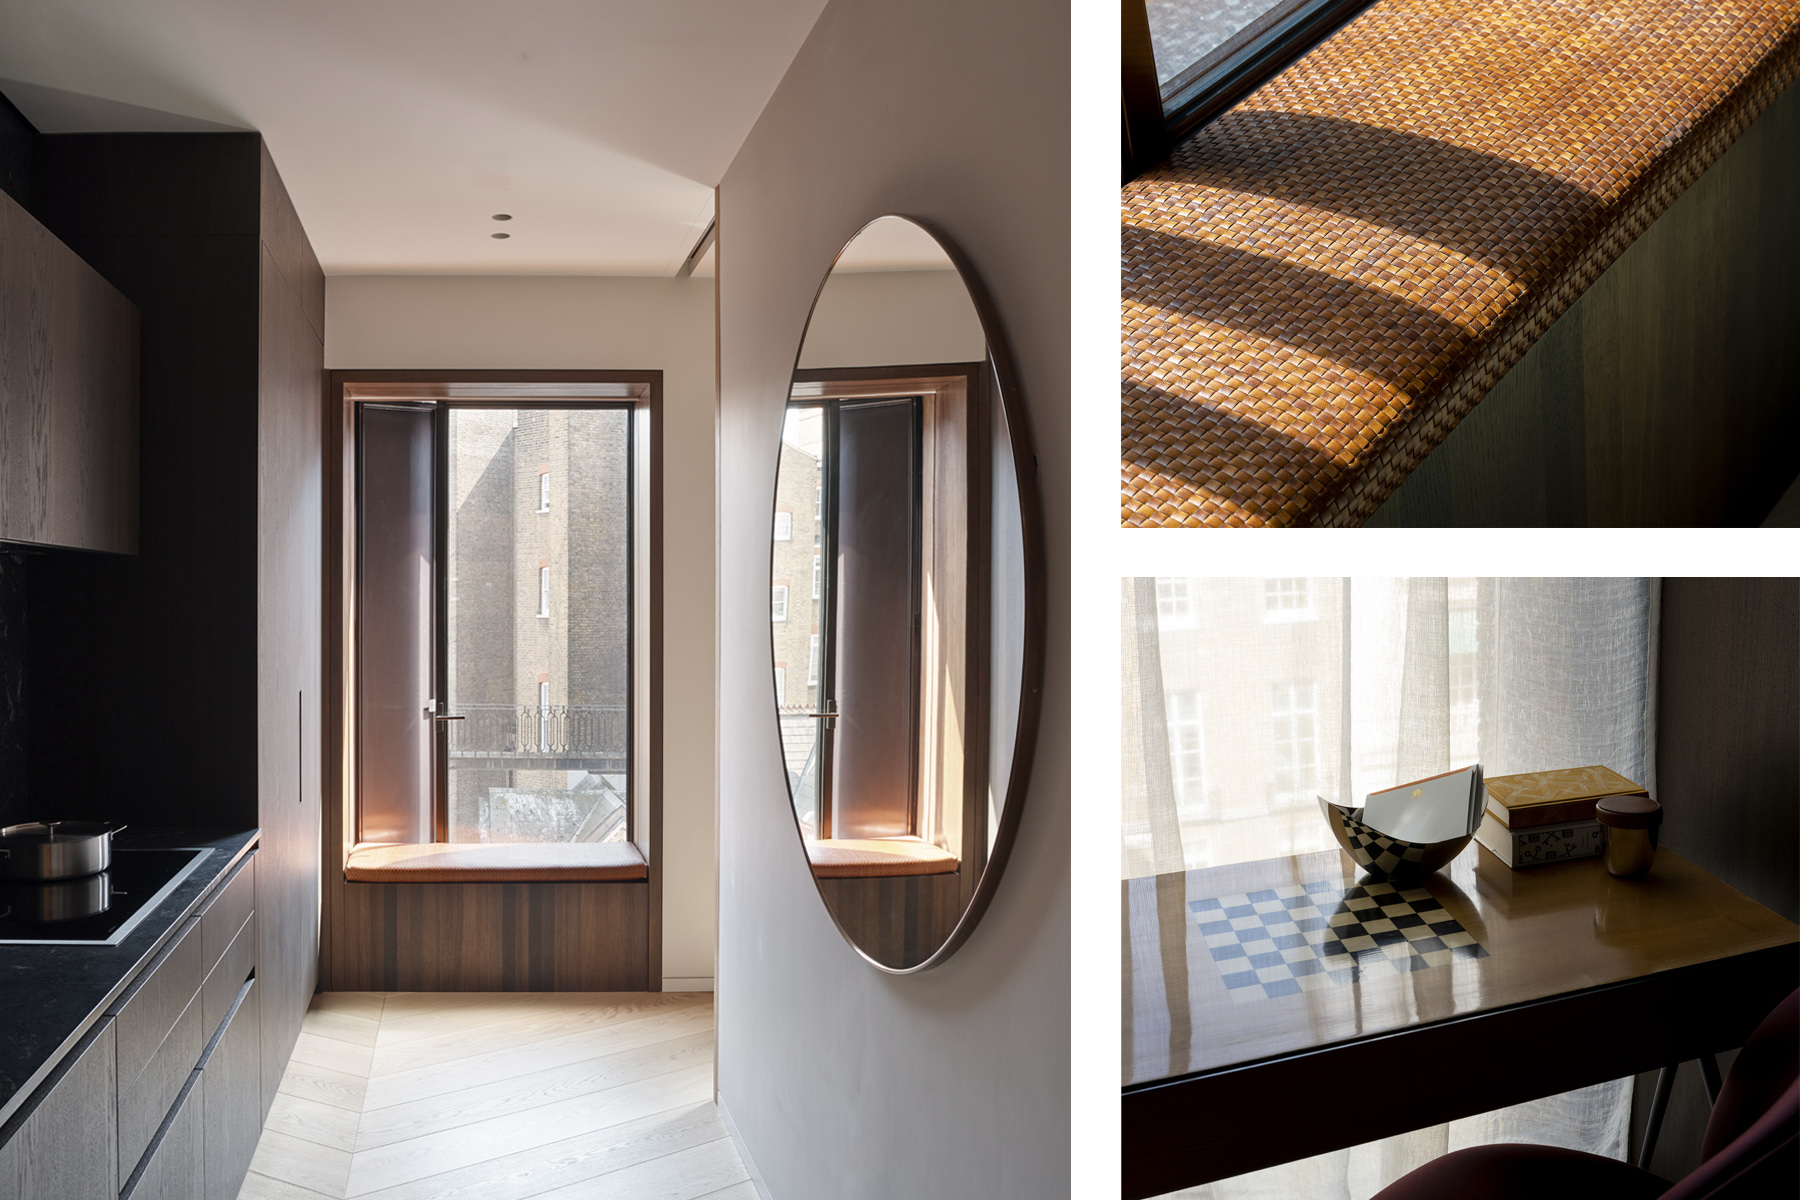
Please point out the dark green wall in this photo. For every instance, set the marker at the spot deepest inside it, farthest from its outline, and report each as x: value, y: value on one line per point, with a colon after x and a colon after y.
x: 1669, y: 393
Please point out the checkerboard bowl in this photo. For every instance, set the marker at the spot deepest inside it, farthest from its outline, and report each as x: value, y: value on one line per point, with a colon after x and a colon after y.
x: 1383, y: 856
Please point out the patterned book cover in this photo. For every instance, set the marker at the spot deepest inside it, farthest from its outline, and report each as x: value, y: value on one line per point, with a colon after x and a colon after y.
x: 1539, y: 798
x: 1540, y: 844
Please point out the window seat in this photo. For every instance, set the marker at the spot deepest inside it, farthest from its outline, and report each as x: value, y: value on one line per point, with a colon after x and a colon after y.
x: 1322, y: 282
x: 867, y: 858
x: 486, y: 862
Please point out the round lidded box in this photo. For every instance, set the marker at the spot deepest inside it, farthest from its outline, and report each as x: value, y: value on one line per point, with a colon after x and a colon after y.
x: 1631, y: 823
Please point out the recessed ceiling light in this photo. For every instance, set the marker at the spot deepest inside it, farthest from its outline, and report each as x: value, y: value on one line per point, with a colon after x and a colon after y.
x: 502, y: 216
x: 500, y: 235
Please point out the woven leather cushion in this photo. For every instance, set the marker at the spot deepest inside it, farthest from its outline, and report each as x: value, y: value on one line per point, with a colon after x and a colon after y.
x: 1324, y: 280
x: 864, y: 858
x: 479, y: 862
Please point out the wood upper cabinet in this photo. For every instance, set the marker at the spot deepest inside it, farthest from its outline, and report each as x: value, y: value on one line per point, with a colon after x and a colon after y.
x: 68, y: 395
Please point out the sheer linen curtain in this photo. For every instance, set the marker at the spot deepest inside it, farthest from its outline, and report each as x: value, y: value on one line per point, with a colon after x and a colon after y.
x: 1245, y: 698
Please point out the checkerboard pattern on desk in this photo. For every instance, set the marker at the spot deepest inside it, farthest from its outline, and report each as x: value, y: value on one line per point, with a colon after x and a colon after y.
x: 1302, y: 937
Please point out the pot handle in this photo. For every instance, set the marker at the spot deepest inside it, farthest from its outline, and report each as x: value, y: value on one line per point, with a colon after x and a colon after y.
x: 117, y: 829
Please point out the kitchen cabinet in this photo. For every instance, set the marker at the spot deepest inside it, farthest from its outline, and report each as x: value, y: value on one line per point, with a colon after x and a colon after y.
x: 232, y: 1097
x: 68, y: 395
x: 211, y: 637
x: 70, y: 1140
x: 173, y: 1167
x: 161, y: 1097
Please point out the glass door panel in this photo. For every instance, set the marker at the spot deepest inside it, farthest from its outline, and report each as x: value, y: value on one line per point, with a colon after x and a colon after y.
x: 537, y: 648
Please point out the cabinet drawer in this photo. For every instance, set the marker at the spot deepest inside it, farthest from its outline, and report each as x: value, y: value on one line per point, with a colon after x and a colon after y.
x: 174, y: 1167
x: 232, y: 1087
x: 144, y: 1103
x: 220, y: 991
x: 68, y: 1151
x: 226, y: 913
x: 150, y: 1008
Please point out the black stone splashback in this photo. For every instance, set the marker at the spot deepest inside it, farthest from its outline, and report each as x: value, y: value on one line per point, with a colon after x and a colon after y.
x: 13, y: 801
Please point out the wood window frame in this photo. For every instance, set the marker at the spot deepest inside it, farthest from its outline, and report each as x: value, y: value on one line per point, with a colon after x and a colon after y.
x: 538, y: 389
x: 948, y: 392
x: 1157, y: 117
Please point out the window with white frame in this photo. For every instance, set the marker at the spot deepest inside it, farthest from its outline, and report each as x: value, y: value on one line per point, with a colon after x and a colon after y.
x: 1294, y: 740
x: 543, y: 715
x: 543, y: 592
x: 1287, y: 600
x: 778, y: 602
x: 1174, y: 604
x: 784, y: 526
x: 543, y: 491
x: 812, y: 662
x: 1187, y: 750
x: 818, y: 576
x: 780, y: 687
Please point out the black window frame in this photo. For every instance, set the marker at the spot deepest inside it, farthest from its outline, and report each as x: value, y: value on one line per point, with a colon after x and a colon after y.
x: 1154, y: 122
x: 826, y: 557
x: 439, y: 410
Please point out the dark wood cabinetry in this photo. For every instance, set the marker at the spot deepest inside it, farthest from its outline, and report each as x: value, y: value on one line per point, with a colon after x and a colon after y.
x: 232, y: 1097
x: 162, y: 1098
x: 68, y: 395
x: 68, y: 1146
x: 210, y: 637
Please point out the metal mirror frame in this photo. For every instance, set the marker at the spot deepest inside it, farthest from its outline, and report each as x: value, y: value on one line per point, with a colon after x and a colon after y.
x: 1031, y: 673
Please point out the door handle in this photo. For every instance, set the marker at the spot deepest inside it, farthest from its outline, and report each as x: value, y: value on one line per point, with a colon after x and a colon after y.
x: 444, y: 718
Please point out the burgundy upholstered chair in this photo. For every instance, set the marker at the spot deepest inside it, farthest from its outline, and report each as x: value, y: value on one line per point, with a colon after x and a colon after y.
x: 1751, y: 1147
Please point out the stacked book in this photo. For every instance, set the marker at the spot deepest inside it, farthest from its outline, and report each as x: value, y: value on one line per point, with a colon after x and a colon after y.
x: 1548, y: 816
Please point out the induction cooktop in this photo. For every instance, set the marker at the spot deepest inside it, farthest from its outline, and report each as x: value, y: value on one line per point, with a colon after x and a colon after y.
x: 97, y: 910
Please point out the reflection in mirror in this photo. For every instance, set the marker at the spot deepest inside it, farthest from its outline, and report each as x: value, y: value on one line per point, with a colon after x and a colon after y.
x: 898, y: 599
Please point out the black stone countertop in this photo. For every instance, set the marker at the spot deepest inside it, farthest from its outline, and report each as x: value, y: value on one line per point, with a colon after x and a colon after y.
x: 51, y: 995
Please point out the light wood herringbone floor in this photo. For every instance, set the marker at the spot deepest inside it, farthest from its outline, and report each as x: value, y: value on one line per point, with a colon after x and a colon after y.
x: 407, y: 1095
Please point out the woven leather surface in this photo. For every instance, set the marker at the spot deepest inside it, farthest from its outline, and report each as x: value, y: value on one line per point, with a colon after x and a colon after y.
x: 492, y: 862
x: 1323, y: 281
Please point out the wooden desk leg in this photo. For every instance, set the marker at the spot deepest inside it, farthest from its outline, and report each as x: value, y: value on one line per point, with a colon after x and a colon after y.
x: 1659, y: 1103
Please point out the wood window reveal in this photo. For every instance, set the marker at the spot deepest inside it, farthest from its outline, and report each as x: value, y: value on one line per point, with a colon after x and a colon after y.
x: 614, y: 904
x: 908, y: 754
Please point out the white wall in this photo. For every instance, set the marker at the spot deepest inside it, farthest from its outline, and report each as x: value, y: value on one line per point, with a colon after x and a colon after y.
x: 891, y: 318
x: 450, y: 323
x: 840, y: 1080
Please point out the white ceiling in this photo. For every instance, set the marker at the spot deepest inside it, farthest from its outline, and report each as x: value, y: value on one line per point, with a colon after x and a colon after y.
x: 401, y: 126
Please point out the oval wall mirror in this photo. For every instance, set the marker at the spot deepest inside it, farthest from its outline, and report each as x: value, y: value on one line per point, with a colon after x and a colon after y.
x: 905, y: 599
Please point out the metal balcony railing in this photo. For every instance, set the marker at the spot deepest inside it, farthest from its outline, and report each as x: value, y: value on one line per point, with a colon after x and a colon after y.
x: 599, y: 732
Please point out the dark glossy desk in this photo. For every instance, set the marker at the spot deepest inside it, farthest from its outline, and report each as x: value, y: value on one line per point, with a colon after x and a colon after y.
x: 1477, y: 988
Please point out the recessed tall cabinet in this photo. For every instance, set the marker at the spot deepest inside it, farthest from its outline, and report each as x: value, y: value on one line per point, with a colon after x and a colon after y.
x: 179, y: 687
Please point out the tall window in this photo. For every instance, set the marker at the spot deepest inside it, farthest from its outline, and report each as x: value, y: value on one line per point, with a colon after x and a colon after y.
x: 1174, y: 604
x: 460, y: 736
x: 1187, y: 750
x: 1294, y: 740
x: 861, y: 458
x: 778, y: 602
x: 812, y: 661
x: 784, y: 526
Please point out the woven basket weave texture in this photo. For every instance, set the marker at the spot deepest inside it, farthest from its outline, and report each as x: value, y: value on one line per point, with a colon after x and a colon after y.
x: 1324, y: 280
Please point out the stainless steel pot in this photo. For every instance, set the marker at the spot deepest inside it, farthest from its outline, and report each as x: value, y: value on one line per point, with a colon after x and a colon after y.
x: 40, y: 850
x: 67, y: 900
